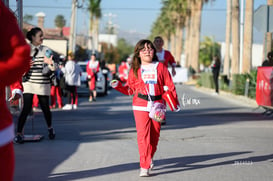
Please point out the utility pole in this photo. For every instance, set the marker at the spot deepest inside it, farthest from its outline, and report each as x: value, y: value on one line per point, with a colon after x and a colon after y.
x: 72, y: 33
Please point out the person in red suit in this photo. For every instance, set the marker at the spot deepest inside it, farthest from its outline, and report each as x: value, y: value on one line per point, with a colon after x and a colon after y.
x: 123, y: 70
x: 92, y: 68
x: 163, y: 55
x: 14, y: 62
x: 146, y: 76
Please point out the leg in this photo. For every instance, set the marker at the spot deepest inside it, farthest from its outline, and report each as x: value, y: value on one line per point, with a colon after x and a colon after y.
x: 35, y: 101
x: 28, y: 99
x: 59, y: 96
x: 44, y: 103
x: 52, y: 96
x: 7, y: 162
x: 73, y: 92
x: 143, y: 126
x: 155, y: 133
x: 76, y: 96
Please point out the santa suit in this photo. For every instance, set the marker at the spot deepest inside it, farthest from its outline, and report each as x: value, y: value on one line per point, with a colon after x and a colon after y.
x: 151, y: 78
x: 123, y: 71
x: 14, y: 62
x: 92, y: 68
x: 166, y: 57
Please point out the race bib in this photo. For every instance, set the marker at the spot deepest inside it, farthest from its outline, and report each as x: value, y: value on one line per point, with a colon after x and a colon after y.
x: 149, y: 75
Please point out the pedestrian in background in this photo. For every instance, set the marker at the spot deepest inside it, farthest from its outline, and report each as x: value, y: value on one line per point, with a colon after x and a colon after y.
x: 72, y: 74
x: 36, y: 82
x: 92, y: 68
x: 56, y: 91
x: 163, y: 55
x: 269, y: 61
x: 146, y: 79
x: 215, y: 66
x: 14, y: 61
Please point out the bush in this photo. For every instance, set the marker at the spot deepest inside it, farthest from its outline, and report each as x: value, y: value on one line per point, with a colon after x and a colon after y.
x: 206, y: 80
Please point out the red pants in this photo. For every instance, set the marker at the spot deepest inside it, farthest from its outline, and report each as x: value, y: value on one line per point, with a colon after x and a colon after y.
x: 35, y: 101
x: 56, y: 91
x: 148, y: 132
x: 7, y: 162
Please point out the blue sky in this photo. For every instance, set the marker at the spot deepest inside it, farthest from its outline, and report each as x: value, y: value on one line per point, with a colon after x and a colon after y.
x: 132, y: 15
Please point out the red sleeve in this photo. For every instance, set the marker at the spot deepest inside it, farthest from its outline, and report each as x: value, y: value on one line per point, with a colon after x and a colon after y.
x: 168, y: 81
x: 133, y: 84
x: 14, y: 51
x: 17, y: 85
x: 169, y: 59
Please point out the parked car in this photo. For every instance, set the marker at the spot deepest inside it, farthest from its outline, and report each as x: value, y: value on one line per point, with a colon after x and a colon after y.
x: 101, y: 82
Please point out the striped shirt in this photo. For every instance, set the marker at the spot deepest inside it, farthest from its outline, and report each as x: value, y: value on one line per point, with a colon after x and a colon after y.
x: 37, y: 83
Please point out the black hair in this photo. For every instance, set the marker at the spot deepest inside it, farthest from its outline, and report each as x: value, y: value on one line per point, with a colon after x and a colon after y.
x: 33, y: 32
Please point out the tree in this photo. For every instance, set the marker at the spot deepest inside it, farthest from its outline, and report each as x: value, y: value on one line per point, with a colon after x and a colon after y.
x: 248, y: 37
x: 60, y: 21
x: 27, y: 18
x: 208, y: 49
x: 196, y: 10
x: 95, y: 15
x: 268, y: 35
x: 235, y: 37
x: 227, y: 48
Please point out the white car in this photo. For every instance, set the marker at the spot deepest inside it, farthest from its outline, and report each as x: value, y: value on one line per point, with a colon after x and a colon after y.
x: 100, y: 82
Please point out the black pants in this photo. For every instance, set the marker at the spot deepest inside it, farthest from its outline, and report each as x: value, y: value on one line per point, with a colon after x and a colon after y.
x: 71, y: 91
x: 27, y: 107
x: 215, y: 78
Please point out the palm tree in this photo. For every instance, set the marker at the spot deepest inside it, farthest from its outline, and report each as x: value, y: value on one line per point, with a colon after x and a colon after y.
x: 269, y: 34
x: 248, y: 37
x: 178, y: 9
x: 95, y: 15
x: 187, y: 34
x: 235, y: 37
x: 196, y: 9
x: 227, y: 48
x: 60, y: 23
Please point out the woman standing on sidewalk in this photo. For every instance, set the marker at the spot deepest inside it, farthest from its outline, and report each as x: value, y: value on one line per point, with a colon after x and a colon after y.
x: 36, y: 82
x: 146, y: 79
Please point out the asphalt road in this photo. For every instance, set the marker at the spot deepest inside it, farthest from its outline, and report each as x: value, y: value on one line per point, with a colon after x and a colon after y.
x: 213, y: 138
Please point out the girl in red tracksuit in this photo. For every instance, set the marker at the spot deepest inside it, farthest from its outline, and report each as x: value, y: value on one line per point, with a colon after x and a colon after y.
x: 146, y: 76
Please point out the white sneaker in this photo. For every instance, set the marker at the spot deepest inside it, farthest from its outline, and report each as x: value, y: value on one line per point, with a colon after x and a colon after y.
x: 75, y: 106
x: 67, y: 107
x: 144, y: 172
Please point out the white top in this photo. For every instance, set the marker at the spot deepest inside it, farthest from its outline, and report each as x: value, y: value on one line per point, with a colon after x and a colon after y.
x: 72, y: 73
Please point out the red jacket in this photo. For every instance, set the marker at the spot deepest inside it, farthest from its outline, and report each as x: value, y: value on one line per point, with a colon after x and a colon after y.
x: 123, y: 71
x: 14, y: 62
x: 150, y: 80
x: 168, y: 58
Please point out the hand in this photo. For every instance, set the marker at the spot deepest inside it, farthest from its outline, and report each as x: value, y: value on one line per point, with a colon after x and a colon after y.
x: 49, y: 61
x: 114, y: 83
x: 14, y: 97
